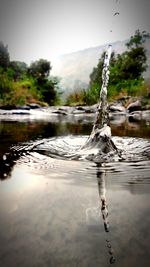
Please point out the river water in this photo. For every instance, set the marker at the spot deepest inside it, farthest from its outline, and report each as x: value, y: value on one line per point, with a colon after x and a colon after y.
x: 58, y: 211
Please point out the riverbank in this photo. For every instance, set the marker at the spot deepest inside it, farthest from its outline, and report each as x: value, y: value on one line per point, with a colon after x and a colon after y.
x: 134, y: 111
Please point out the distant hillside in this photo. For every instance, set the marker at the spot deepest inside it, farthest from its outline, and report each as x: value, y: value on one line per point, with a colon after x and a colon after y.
x: 74, y: 69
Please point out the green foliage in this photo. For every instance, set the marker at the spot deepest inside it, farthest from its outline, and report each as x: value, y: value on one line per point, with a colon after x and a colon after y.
x: 125, y: 70
x: 128, y: 66
x: 126, y: 87
x: 76, y: 98
x: 92, y: 95
x: 96, y: 75
x: 40, y: 68
x: 18, y: 92
x: 47, y: 90
x: 4, y: 56
x: 5, y: 83
x: 46, y: 86
x: 93, y: 92
x: 19, y: 69
x: 20, y: 85
x: 138, y: 39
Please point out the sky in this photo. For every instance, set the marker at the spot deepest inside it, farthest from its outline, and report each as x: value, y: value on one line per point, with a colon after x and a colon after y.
x: 35, y: 29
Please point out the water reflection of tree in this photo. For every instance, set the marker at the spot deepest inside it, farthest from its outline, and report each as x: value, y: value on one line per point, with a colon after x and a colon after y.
x: 9, y: 159
x: 129, y: 128
x: 104, y: 208
x: 16, y: 134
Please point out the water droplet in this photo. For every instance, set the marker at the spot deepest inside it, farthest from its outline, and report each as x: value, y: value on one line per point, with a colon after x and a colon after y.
x: 4, y: 157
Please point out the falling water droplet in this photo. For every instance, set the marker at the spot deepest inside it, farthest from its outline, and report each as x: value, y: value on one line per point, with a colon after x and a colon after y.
x: 4, y: 157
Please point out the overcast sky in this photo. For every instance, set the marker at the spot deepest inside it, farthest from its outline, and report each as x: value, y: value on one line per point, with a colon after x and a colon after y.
x: 36, y: 29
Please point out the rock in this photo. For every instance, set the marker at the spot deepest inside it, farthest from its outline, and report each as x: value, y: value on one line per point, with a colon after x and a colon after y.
x: 134, y: 106
x: 20, y: 112
x: 14, y: 112
x: 24, y: 107
x: 124, y: 100
x: 85, y: 109
x: 60, y: 112
x: 80, y: 108
x: 8, y: 107
x: 76, y: 111
x: 91, y: 109
x: 16, y: 107
x: 117, y: 108
x: 34, y: 106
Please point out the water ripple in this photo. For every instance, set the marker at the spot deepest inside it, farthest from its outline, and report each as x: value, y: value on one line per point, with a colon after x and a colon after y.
x: 69, y: 147
x: 135, y: 154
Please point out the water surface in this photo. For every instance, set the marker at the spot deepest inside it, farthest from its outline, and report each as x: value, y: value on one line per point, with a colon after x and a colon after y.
x: 52, y: 209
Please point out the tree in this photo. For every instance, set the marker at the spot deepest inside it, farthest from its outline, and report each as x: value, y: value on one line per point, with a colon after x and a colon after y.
x: 21, y: 85
x: 132, y: 63
x: 4, y: 56
x: 19, y: 69
x: 5, y: 83
x: 46, y: 85
x: 138, y: 39
x: 96, y: 75
x: 40, y: 68
x: 126, y: 69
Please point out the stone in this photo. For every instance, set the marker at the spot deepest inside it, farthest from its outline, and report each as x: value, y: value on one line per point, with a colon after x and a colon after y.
x: 34, y: 106
x: 8, y: 107
x: 134, y: 106
x: 117, y: 108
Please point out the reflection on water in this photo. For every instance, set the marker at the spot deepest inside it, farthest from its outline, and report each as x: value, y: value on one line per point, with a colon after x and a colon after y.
x: 93, y: 213
x: 44, y: 209
x: 57, y: 212
x: 104, y: 210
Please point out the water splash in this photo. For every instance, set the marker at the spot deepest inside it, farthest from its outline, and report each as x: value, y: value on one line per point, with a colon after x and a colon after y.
x: 100, y: 146
x: 101, y: 132
x: 102, y: 117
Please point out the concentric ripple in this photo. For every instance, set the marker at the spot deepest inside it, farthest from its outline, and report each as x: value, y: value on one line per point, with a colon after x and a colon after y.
x: 70, y: 147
